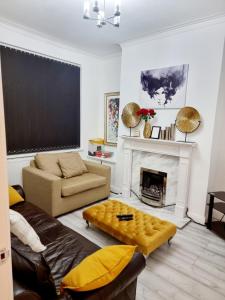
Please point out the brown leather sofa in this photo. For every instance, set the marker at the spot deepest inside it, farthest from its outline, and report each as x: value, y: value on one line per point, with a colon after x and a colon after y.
x: 38, y: 276
x: 22, y: 292
x: 57, y: 195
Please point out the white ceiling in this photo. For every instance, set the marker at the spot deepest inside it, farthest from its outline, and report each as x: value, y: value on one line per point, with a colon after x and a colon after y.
x: 62, y: 19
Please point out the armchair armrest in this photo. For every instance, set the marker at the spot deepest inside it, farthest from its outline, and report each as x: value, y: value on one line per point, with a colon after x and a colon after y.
x: 41, y: 188
x: 98, y: 169
x: 41, y: 174
x: 101, y: 170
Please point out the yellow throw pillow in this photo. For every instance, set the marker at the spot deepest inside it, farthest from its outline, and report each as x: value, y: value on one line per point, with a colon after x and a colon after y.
x: 99, y: 268
x: 14, y: 196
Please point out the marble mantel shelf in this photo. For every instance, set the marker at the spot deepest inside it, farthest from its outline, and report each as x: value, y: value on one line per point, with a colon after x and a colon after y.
x: 183, y: 151
x: 157, y: 141
x: 173, y: 148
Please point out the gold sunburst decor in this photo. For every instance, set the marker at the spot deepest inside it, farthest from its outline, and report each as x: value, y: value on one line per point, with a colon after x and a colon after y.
x: 188, y: 120
x: 129, y: 115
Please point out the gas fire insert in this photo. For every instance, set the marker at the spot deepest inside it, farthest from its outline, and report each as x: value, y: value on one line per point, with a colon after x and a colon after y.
x: 153, y: 187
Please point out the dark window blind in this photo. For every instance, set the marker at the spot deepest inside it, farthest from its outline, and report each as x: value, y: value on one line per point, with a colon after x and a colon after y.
x: 41, y: 101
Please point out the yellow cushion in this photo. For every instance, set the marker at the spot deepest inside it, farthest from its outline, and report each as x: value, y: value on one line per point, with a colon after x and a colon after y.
x: 144, y: 231
x: 99, y: 269
x: 14, y: 196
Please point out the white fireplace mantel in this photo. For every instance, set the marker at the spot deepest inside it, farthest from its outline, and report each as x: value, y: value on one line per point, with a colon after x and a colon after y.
x: 181, y: 150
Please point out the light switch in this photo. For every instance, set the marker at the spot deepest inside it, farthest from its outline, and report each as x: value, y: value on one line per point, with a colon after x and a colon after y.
x: 4, y: 254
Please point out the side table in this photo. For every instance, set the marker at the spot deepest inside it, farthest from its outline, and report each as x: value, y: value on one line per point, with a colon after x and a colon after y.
x: 216, y: 226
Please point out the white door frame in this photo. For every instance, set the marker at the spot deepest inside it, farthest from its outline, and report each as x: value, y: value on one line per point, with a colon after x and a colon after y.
x: 6, y: 266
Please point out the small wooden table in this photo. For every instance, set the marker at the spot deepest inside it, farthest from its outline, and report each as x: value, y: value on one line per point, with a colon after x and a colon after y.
x: 217, y: 226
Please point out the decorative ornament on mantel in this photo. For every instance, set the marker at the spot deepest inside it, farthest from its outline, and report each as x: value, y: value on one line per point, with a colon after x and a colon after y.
x: 129, y: 115
x: 146, y: 114
x: 188, y: 120
x: 98, y: 10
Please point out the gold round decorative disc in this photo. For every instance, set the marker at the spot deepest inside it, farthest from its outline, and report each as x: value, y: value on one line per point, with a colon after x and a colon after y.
x: 129, y: 115
x: 188, y: 119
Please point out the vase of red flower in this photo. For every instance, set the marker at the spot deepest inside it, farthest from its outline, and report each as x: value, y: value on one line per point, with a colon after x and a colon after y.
x: 146, y: 114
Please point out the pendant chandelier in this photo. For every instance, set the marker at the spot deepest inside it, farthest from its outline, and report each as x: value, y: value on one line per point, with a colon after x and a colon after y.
x: 96, y: 10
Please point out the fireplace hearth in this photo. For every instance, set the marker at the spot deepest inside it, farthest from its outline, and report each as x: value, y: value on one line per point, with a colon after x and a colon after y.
x: 153, y: 187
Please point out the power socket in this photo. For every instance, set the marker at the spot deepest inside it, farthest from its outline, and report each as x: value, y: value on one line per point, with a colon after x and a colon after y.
x: 4, y: 254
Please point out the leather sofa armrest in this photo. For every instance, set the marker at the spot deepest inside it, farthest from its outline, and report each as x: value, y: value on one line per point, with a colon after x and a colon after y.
x: 41, y: 188
x: 21, y: 292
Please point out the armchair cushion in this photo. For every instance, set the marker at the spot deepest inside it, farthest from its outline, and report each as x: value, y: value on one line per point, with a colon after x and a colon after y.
x: 72, y: 165
x: 49, y: 163
x: 78, y: 184
x: 54, y: 162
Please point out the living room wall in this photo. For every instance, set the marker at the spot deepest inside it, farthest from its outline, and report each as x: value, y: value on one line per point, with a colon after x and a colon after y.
x: 200, y: 46
x: 90, y: 82
x: 110, y: 69
x: 217, y: 170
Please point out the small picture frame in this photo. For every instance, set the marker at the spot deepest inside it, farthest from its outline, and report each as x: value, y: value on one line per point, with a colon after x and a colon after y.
x: 155, y: 134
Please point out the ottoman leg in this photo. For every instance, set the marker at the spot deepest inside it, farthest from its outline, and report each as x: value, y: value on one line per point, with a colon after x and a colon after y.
x: 87, y: 224
x: 169, y: 242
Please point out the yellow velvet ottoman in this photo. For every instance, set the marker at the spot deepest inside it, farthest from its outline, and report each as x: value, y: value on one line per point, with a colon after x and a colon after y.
x: 145, y: 231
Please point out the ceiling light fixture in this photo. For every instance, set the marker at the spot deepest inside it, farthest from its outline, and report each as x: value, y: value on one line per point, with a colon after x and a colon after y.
x: 99, y: 8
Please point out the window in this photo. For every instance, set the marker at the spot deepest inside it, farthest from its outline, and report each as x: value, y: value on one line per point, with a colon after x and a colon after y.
x: 41, y: 101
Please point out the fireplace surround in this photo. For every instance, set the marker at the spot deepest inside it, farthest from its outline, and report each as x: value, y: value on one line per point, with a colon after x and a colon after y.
x: 180, y: 150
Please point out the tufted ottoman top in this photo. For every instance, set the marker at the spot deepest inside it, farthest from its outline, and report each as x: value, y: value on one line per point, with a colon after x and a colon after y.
x: 145, y: 231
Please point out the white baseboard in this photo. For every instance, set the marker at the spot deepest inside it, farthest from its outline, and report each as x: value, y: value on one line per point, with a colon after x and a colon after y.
x: 115, y: 189
x: 197, y: 218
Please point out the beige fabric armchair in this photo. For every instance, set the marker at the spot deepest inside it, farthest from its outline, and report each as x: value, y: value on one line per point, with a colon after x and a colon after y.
x: 57, y: 195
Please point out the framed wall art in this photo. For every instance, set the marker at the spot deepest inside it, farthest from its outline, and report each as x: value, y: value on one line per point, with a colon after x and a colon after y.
x: 164, y: 88
x: 112, y: 103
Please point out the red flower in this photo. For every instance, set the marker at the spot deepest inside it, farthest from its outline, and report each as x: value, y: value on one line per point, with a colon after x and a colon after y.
x: 151, y: 112
x: 138, y: 112
x: 146, y: 113
x: 143, y: 112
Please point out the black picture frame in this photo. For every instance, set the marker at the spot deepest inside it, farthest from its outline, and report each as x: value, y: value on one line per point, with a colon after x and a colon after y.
x: 155, y: 133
